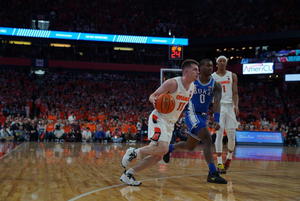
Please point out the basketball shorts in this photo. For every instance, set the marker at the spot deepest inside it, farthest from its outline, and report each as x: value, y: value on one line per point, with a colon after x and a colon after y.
x: 159, y: 129
x: 195, y: 121
x: 227, y: 117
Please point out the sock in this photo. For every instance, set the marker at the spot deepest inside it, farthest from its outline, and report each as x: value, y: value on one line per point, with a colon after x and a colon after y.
x: 137, y: 151
x: 219, y: 159
x: 212, y: 168
x: 171, y: 147
x: 229, y: 155
x: 130, y: 171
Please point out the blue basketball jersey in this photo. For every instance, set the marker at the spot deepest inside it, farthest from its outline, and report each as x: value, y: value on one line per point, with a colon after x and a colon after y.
x: 202, y: 97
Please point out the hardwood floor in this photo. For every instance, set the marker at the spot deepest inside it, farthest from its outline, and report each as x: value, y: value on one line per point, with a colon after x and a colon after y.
x: 83, y: 171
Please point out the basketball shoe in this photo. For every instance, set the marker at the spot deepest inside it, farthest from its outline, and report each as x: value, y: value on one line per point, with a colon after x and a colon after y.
x: 227, y: 163
x: 216, y: 178
x: 221, y: 169
x: 128, y: 157
x: 166, y: 157
x: 129, y: 179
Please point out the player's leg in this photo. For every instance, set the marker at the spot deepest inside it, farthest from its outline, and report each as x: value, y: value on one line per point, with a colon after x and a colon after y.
x: 193, y: 121
x: 146, y: 162
x: 160, y: 134
x: 230, y: 127
x: 213, y: 175
x: 219, y: 141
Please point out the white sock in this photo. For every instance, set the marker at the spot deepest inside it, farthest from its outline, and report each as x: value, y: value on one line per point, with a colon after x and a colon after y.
x: 137, y: 151
x: 219, y: 159
x: 229, y: 155
x: 130, y: 171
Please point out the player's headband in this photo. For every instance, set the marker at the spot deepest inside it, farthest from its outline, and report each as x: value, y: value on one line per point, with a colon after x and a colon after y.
x: 221, y: 57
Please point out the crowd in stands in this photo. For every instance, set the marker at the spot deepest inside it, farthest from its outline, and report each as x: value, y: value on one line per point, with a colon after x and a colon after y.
x: 73, y: 106
x: 208, y: 18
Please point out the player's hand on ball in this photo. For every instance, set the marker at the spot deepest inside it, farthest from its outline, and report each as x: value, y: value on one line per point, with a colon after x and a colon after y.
x: 216, y: 126
x: 154, y: 101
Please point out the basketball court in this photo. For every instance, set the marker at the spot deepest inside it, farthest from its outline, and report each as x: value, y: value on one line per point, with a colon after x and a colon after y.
x: 89, y: 171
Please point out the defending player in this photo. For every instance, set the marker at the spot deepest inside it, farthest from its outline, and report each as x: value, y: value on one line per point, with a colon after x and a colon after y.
x: 195, y: 118
x: 161, y: 126
x: 229, y: 110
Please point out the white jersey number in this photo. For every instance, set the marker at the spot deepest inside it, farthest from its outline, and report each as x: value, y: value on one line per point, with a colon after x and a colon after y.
x: 202, y: 98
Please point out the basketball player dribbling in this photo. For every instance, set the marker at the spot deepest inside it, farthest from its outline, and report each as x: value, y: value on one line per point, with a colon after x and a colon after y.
x: 229, y: 110
x: 161, y: 126
x: 196, y: 117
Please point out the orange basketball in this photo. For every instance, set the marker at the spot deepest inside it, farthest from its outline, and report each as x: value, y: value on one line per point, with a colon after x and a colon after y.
x: 165, y: 103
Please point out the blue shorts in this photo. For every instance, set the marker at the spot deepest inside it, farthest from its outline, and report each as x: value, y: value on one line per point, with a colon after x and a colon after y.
x: 195, y: 121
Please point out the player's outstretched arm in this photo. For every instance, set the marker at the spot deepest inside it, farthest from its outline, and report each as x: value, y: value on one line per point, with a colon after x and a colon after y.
x: 169, y: 86
x: 235, y: 95
x: 217, y: 99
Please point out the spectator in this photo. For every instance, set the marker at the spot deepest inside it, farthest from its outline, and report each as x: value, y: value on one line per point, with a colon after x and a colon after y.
x: 144, y: 128
x: 20, y: 134
x: 41, y: 128
x: 212, y: 132
x: 72, y: 118
x: 87, y: 135
x: 5, y: 133
x: 49, y: 131
x: 77, y: 132
x: 32, y: 130
x: 130, y: 136
x: 100, y: 136
x: 116, y: 135
x: 59, y: 134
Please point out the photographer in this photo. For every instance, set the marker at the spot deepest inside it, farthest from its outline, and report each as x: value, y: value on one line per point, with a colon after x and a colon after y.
x: 59, y: 134
x: 130, y: 136
x: 116, y: 135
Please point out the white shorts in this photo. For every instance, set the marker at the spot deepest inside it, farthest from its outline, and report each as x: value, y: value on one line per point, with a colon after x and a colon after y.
x: 159, y: 129
x: 227, y: 117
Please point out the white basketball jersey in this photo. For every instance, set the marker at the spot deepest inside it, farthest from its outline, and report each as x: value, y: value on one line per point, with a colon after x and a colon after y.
x: 181, y: 97
x: 226, y: 82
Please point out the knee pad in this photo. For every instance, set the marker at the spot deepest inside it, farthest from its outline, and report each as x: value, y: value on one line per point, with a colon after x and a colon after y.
x: 231, y: 138
x: 218, y: 142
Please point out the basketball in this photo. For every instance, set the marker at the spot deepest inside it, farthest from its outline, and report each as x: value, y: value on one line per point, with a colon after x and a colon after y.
x: 165, y: 103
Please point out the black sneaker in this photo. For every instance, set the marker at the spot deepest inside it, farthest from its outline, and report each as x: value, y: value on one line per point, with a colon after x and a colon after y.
x: 166, y: 157
x: 216, y: 178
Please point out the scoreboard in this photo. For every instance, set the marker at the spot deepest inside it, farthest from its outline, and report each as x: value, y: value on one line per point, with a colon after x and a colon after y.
x: 175, y: 52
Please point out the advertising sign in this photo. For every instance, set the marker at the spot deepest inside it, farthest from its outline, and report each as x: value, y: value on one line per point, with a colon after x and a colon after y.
x: 258, y: 68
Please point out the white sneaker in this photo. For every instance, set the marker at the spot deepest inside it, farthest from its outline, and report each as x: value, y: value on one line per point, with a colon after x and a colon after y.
x: 128, y: 157
x: 129, y: 179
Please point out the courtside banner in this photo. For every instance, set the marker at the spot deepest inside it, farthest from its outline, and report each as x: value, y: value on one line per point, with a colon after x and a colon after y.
x: 259, y: 137
x: 92, y: 37
x: 258, y: 68
x: 259, y: 153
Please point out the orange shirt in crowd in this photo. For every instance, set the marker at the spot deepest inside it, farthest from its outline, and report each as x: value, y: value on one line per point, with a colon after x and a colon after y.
x: 211, y: 130
x: 52, y: 117
x: 50, y: 127
x: 43, y: 109
x: 67, y: 129
x: 92, y: 127
x: 92, y: 118
x: 101, y: 118
x: 2, y: 119
x: 112, y: 128
x: 239, y: 129
x: 266, y: 130
x: 133, y: 129
x: 225, y: 133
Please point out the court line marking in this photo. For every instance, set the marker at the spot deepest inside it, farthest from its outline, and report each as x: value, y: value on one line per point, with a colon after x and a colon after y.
x: 12, y: 150
x: 190, y: 175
